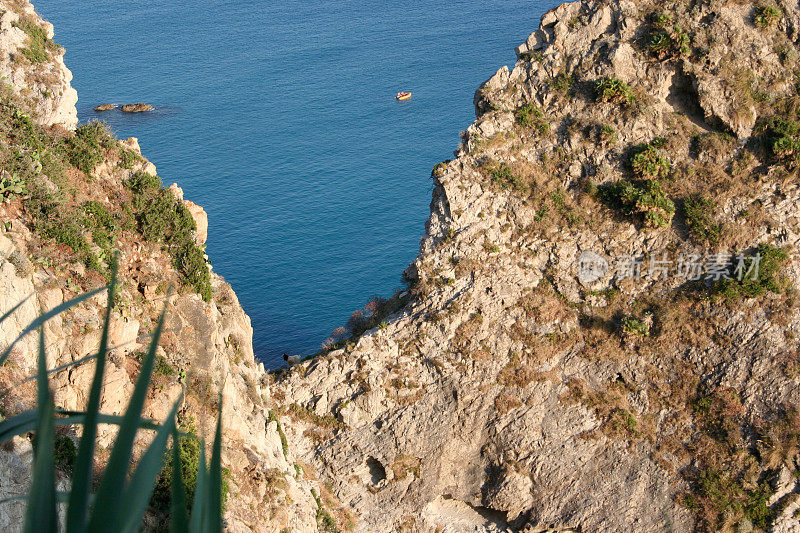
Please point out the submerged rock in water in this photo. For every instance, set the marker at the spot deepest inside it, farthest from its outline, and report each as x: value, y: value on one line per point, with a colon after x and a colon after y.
x: 105, y: 107
x: 136, y: 108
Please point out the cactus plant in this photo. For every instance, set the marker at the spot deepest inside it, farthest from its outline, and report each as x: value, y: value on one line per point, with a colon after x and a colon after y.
x: 11, y: 186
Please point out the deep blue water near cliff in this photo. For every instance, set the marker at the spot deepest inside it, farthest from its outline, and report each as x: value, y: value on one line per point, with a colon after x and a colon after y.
x: 278, y: 118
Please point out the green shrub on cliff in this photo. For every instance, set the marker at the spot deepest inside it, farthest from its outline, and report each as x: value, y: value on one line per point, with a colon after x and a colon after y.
x: 645, y: 199
x: 782, y: 136
x: 530, y: 115
x: 699, y: 212
x: 11, y: 186
x: 188, y: 454
x: 660, y: 19
x: 190, y: 260
x: 141, y: 182
x: 505, y: 178
x: 666, y: 42
x: 614, y: 91
x: 633, y: 325
x: 563, y: 83
x: 62, y: 225
x: 99, y: 220
x: 648, y: 162
x: 163, y: 218
x: 64, y: 454
x: 765, y: 16
x: 38, y: 46
x: 767, y: 262
x: 39, y: 162
x: 86, y: 148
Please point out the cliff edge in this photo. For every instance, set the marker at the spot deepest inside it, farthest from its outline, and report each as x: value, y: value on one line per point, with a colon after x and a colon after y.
x: 70, y: 197
x: 603, y: 329
x: 32, y: 65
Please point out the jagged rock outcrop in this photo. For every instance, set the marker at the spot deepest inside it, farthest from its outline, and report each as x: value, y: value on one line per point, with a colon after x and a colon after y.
x: 198, y: 214
x: 517, y: 393
x: 208, y: 345
x: 33, y: 66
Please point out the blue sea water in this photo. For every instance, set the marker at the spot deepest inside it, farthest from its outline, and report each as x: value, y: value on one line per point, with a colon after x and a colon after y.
x: 279, y: 119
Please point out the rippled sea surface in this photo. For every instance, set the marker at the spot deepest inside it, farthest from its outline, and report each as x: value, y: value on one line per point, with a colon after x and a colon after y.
x: 279, y: 119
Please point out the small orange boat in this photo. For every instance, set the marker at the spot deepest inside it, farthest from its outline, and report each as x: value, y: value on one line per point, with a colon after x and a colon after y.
x: 403, y: 96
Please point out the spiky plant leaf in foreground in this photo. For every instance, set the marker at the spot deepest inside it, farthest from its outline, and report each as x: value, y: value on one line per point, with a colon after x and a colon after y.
x: 108, y: 505
x: 178, y: 520
x: 199, y: 521
x: 28, y: 421
x: 137, y: 494
x: 44, y: 317
x: 215, y: 477
x: 41, y: 515
x: 121, y: 501
x: 82, y: 474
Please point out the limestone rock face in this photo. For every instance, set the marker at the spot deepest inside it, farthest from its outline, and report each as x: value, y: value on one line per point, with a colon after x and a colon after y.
x: 513, y: 393
x: 208, y: 343
x: 200, y: 219
x: 44, y: 82
x: 132, y: 143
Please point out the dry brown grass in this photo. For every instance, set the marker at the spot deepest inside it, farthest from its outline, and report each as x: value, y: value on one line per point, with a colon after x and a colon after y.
x: 465, y: 332
x: 517, y: 373
x: 405, y: 465
x: 504, y: 403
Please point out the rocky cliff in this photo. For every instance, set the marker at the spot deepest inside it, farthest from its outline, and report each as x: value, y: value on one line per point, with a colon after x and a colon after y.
x: 603, y: 329
x: 68, y: 199
x: 600, y: 332
x: 33, y: 65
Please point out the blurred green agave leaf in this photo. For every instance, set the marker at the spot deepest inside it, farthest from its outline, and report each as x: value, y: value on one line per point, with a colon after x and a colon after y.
x: 122, y: 498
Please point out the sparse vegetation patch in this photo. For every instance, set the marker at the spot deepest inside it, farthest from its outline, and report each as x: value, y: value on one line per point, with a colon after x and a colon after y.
x: 505, y: 178
x: 614, y: 91
x: 699, y: 212
x: 766, y: 16
x: 783, y: 139
x: 645, y: 199
x: 665, y: 39
x: 531, y: 116
x: 649, y: 162
x: 163, y: 218
x: 38, y: 47
x: 755, y: 274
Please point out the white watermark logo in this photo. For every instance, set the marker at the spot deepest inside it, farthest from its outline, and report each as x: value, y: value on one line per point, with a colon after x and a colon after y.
x: 691, y: 267
x: 591, y: 266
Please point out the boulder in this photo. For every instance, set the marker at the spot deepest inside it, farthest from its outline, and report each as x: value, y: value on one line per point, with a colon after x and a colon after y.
x: 136, y: 108
x: 105, y: 107
x: 132, y: 143
x: 200, y: 220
